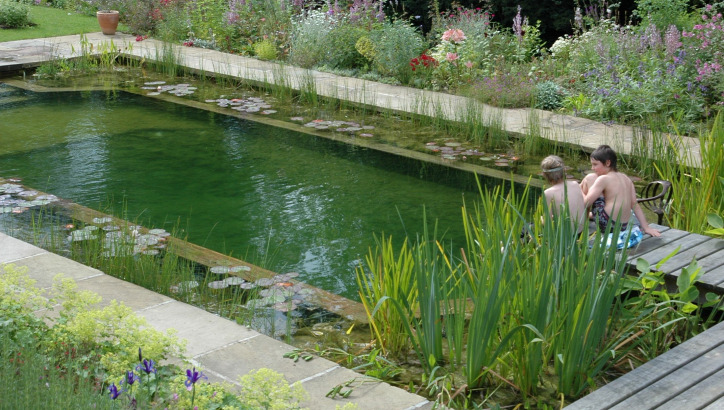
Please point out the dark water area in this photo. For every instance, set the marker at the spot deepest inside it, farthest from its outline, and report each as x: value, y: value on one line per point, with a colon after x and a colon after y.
x: 287, y: 200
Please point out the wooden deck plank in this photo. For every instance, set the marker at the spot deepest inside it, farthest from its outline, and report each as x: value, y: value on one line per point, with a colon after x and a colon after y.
x: 698, y: 396
x: 713, y: 266
x: 716, y: 405
x: 657, y: 369
x: 667, y: 238
x: 679, y: 381
x: 684, y: 243
x: 683, y: 258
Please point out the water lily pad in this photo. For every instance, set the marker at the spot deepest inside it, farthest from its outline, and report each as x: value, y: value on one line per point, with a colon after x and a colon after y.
x: 159, y: 232
x: 366, y: 135
x: 218, y: 284
x: 234, y: 281
x: 146, y: 240
x: 453, y: 144
x: 264, y: 282
x: 80, y: 235
x: 103, y: 220
x: 151, y: 252
x: 109, y: 228
x: 154, y: 83
x: 297, y: 119
x: 187, y: 286
x: 39, y: 202
x: 219, y: 270
x: 239, y: 268
x: 27, y: 194
x: 284, y: 307
x: 154, y: 93
x: 248, y: 285
x: 368, y: 127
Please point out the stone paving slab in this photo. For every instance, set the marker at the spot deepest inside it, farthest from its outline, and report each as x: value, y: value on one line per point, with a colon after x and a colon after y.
x: 365, y: 394
x: 14, y: 250
x: 258, y: 352
x: 204, y: 331
x: 39, y: 267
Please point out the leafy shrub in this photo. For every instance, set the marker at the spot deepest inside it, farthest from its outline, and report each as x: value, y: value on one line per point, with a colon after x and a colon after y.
x: 342, y: 50
x: 549, y: 95
x: 309, y: 43
x: 394, y: 45
x: 662, y: 13
x: 507, y: 88
x: 14, y: 14
x: 265, y: 50
x: 478, y: 29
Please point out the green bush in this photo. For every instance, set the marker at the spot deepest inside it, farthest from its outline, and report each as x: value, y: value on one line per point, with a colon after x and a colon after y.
x: 394, y: 45
x: 342, y: 51
x: 309, y: 43
x: 265, y: 50
x: 14, y: 14
x: 549, y: 95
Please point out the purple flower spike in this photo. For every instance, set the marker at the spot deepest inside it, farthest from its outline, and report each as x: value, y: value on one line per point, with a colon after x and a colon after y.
x: 114, y: 392
x: 148, y: 366
x: 192, y: 376
x: 131, y: 377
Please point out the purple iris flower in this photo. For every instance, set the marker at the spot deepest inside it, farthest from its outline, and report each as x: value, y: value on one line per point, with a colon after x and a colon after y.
x: 148, y: 366
x: 131, y: 377
x: 192, y: 376
x: 114, y: 392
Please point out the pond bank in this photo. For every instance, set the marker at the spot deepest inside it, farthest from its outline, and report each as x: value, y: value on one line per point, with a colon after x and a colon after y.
x: 580, y: 132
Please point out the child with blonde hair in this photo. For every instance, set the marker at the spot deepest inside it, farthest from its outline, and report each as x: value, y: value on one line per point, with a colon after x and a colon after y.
x: 563, y: 193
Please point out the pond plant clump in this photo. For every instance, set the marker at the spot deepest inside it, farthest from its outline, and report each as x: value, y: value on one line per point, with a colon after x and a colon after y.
x: 537, y: 319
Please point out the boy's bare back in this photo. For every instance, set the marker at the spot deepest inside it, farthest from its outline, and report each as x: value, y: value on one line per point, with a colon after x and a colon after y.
x: 618, y: 193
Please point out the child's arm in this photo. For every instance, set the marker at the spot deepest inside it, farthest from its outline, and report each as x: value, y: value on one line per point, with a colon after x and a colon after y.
x: 595, y: 190
x: 640, y: 215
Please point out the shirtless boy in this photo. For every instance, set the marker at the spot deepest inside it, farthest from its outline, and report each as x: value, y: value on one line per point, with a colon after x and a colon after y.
x: 563, y: 192
x: 611, y: 194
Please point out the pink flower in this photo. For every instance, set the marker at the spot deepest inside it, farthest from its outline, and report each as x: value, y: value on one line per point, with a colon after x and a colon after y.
x: 469, y: 64
x: 454, y: 35
x: 451, y: 57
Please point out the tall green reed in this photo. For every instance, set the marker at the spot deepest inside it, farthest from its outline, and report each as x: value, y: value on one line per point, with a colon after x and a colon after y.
x: 697, y: 190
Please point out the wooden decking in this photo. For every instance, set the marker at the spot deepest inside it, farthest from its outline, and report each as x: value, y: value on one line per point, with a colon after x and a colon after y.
x: 708, y: 252
x: 690, y: 376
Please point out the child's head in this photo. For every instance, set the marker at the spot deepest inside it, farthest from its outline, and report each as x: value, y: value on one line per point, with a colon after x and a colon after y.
x: 603, y: 154
x: 553, y: 169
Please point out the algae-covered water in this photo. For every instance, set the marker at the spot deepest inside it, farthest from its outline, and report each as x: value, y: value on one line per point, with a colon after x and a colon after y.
x: 281, y: 198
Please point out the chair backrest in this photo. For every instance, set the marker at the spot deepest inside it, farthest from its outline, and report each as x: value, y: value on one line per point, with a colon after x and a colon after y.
x: 656, y: 196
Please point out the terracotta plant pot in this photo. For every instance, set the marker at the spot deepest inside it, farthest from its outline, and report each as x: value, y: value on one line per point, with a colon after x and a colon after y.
x: 108, y: 21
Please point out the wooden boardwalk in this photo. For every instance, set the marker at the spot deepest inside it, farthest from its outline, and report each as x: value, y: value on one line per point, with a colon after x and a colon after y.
x: 691, y: 375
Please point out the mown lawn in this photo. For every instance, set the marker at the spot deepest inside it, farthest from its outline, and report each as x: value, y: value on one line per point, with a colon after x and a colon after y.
x: 51, y: 22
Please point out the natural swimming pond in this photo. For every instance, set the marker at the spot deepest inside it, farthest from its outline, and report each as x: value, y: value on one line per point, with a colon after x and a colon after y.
x: 295, y: 201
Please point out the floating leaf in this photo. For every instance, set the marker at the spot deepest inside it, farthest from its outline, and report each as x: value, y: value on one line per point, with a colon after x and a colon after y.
x: 219, y: 270
x: 234, y: 281
x: 218, y: 284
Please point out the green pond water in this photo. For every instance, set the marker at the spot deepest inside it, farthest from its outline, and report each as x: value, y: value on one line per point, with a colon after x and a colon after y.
x: 295, y: 201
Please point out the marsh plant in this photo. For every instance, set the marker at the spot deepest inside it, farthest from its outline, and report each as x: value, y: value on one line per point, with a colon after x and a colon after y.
x: 519, y: 309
